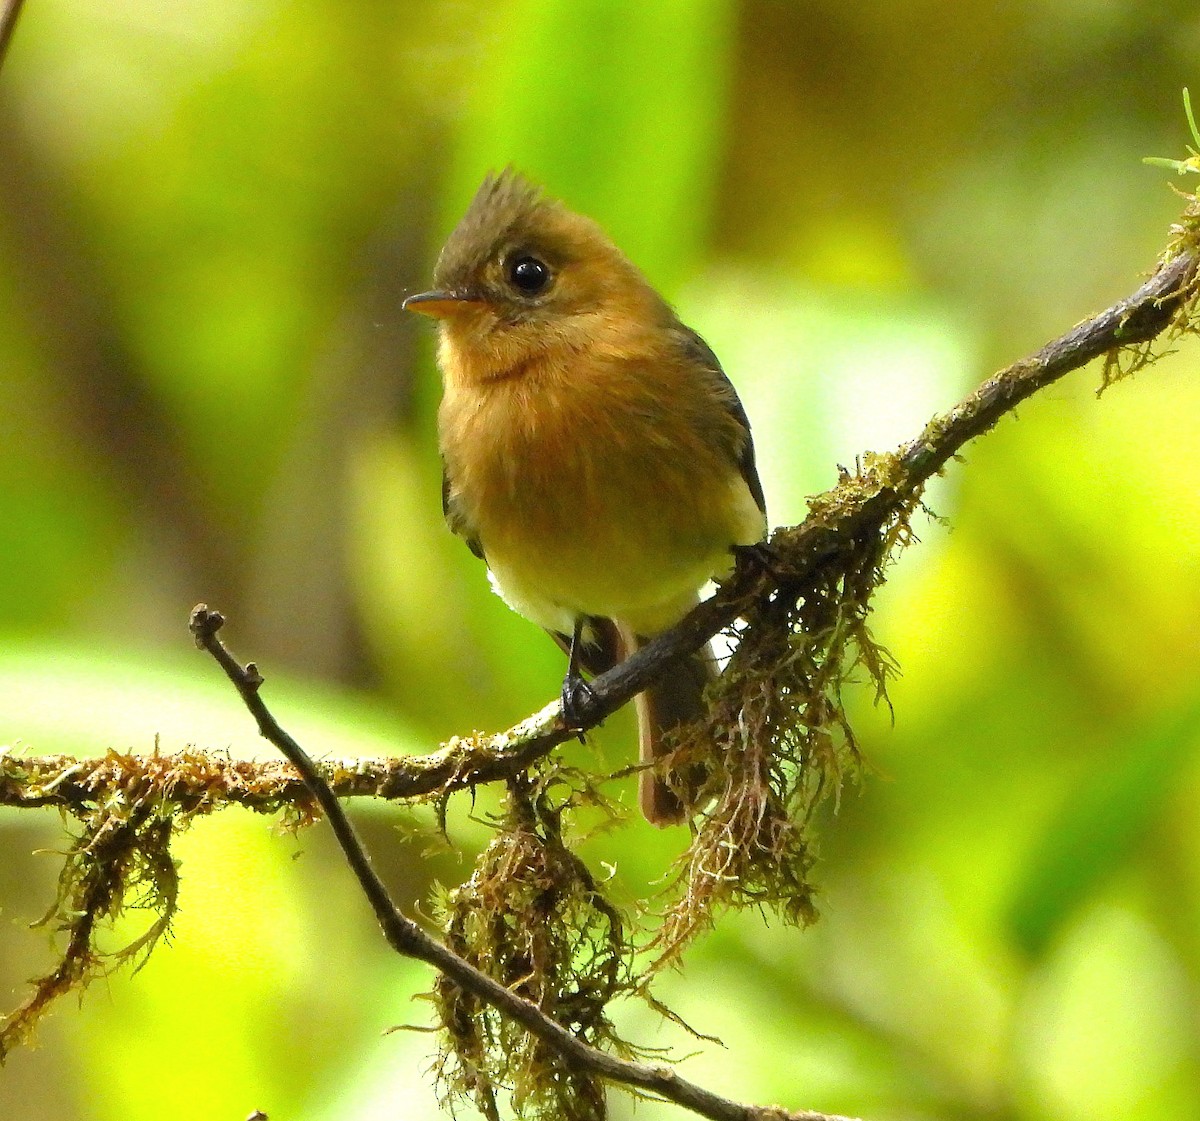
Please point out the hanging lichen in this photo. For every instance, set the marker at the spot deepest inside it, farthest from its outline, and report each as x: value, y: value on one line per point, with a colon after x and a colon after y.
x: 532, y: 917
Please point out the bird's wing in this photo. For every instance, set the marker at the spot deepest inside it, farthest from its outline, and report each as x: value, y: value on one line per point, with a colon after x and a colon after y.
x: 697, y: 349
x: 454, y: 517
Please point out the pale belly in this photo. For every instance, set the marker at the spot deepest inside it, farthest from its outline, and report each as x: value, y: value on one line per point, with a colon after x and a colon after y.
x: 639, y: 559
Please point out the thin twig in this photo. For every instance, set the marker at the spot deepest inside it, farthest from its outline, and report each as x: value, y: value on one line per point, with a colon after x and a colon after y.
x: 407, y: 938
x: 8, y: 24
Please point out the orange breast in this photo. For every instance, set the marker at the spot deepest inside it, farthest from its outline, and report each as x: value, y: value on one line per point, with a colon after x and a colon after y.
x: 601, y: 487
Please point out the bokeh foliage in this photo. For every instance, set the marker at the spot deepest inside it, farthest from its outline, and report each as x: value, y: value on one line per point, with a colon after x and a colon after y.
x: 208, y: 217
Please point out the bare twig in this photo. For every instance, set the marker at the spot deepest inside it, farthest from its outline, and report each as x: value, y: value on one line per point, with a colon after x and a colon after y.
x: 407, y: 938
x: 8, y: 24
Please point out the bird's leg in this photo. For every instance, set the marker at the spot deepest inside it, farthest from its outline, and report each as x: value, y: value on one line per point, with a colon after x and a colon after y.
x: 577, y: 694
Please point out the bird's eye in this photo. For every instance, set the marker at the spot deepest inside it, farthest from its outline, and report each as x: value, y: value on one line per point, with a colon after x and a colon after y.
x: 528, y: 275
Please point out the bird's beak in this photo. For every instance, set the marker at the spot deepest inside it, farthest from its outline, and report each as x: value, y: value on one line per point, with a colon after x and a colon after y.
x: 438, y: 303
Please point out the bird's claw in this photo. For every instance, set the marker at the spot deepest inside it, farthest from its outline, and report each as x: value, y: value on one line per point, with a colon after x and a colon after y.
x: 578, y: 701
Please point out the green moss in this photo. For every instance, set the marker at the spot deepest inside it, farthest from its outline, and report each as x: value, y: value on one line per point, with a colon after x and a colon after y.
x: 532, y: 917
x: 777, y: 741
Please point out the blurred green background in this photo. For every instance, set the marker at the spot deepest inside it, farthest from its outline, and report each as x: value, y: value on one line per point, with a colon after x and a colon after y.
x: 209, y: 214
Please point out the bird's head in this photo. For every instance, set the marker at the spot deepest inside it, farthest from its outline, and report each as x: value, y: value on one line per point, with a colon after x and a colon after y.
x: 521, y: 277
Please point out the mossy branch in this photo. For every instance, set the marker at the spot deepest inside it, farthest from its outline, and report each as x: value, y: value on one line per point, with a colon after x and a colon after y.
x: 776, y: 741
x: 860, y: 504
x: 577, y: 1057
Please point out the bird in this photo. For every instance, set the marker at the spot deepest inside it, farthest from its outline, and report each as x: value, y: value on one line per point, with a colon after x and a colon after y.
x: 594, y: 453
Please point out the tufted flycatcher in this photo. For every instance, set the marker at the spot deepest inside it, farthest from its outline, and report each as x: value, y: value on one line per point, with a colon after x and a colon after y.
x: 594, y: 453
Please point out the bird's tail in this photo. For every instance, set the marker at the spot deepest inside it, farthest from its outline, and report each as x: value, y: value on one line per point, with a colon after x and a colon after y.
x: 676, y: 698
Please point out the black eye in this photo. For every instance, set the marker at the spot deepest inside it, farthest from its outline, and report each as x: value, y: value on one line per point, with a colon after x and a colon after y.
x: 528, y: 275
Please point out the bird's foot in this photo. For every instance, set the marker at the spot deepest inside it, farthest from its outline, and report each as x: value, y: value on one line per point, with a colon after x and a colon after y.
x: 578, y: 700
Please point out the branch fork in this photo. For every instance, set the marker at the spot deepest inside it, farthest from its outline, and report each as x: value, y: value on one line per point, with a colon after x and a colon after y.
x: 864, y: 515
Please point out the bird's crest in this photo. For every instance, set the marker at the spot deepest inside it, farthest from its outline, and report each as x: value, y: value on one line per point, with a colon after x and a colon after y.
x: 505, y: 205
